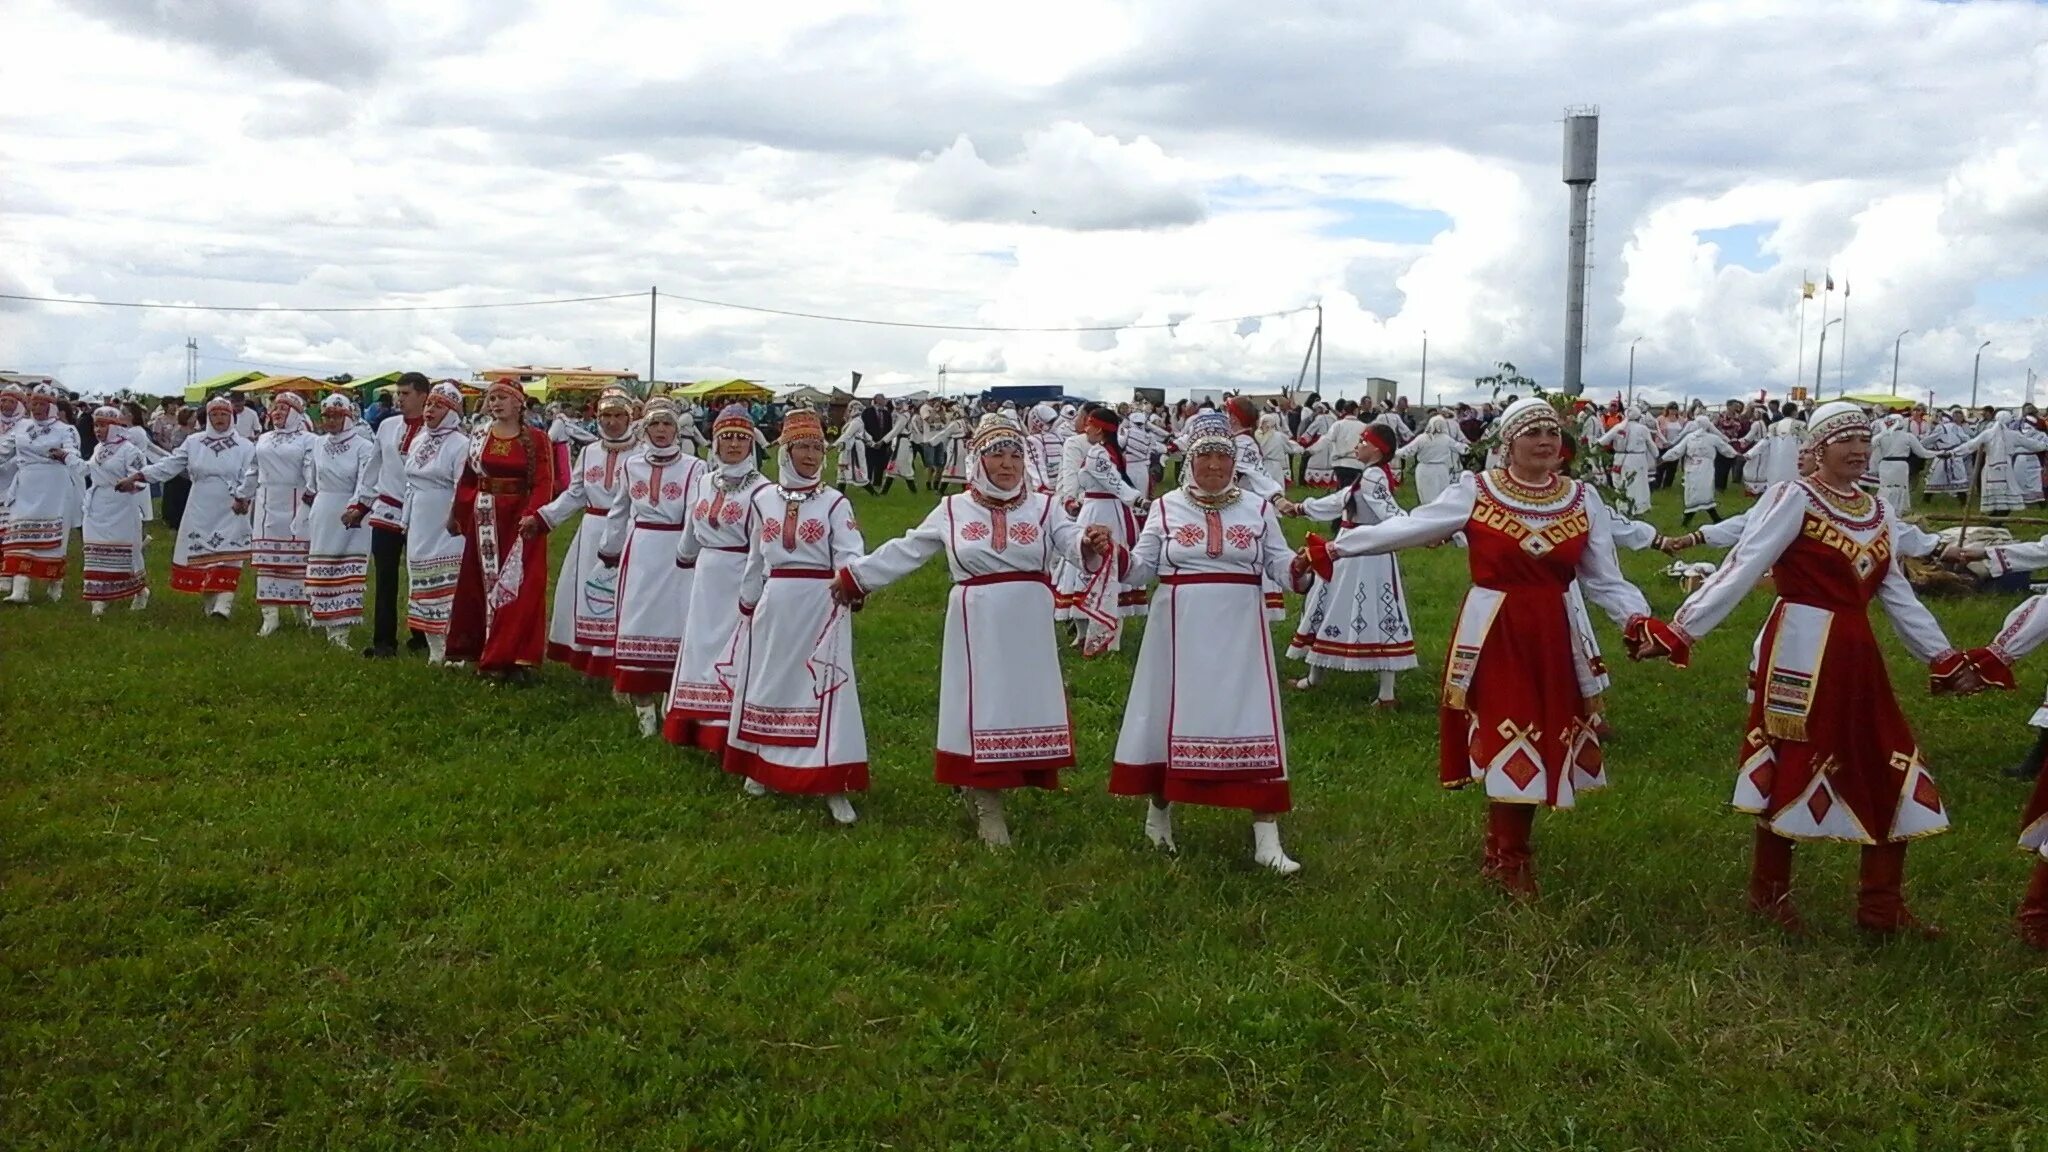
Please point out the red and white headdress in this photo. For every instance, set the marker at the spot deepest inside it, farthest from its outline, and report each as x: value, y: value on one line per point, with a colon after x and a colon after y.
x: 1526, y: 416
x: 1834, y: 420
x: 733, y: 420
x: 504, y: 386
x: 617, y: 400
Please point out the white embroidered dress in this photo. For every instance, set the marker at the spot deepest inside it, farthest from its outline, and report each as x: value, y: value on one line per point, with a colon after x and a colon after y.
x: 715, y: 541
x: 338, y: 556
x: 1106, y: 497
x: 585, y: 616
x: 641, y: 534
x: 433, y: 555
x: 39, y: 521
x: 277, y: 479
x: 113, y: 523
x: 213, y: 539
x: 1357, y: 621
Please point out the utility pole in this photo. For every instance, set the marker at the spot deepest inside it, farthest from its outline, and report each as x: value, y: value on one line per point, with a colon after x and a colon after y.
x: 191, y: 362
x: 1895, y: 360
x: 1820, y: 358
x: 1425, y: 369
x: 1975, y: 365
x: 1319, y: 347
x: 653, y: 295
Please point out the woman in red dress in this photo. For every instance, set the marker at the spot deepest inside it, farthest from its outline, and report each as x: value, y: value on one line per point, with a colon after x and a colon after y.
x: 1514, y: 715
x: 1826, y: 754
x: 501, y: 596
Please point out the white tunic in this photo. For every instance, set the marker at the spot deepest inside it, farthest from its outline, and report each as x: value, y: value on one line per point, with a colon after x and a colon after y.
x: 1316, y: 471
x: 1632, y: 443
x: 1892, y: 452
x: 7, y: 468
x: 1358, y: 621
x: 277, y: 479
x: 384, y: 493
x: 2001, y: 488
x: 433, y: 555
x: 641, y: 536
x: 795, y: 724
x: 113, y: 523
x: 715, y: 540
x: 213, y: 539
x: 1002, y: 702
x: 39, y: 521
x: 585, y: 615
x: 338, y: 556
x: 1437, y: 459
x: 2024, y: 629
x: 1948, y: 475
x: 853, y: 453
x: 1698, y: 448
x: 1203, y: 720
x: 1106, y: 497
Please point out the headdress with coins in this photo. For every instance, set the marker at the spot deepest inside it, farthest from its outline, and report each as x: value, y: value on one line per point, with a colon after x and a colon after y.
x: 1208, y: 432
x: 733, y: 421
x: 617, y: 400
x: 1834, y: 420
x: 1526, y: 416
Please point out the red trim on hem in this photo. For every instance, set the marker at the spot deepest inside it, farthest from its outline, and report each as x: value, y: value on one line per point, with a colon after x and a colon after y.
x: 642, y: 681
x: 564, y: 654
x: 596, y: 667
x: 691, y: 732
x: 35, y: 568
x: 822, y: 781
x: 964, y: 771
x: 211, y: 578
x: 1262, y: 796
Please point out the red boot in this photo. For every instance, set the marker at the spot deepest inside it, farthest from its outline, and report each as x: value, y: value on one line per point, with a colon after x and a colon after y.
x: 2034, y: 909
x: 1489, y: 860
x: 1514, y: 863
x: 1770, y: 881
x: 1880, y: 908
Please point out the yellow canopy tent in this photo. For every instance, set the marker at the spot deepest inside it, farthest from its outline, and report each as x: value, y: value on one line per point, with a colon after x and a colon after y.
x: 719, y: 391
x: 1873, y: 399
x: 200, y: 391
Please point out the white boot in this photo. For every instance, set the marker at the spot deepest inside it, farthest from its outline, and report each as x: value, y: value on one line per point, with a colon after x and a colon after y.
x: 269, y: 621
x: 56, y: 591
x: 754, y: 787
x: 650, y: 718
x: 20, y: 593
x: 337, y: 635
x: 841, y: 808
x: 99, y: 608
x: 140, y: 602
x: 225, y: 606
x: 986, y: 806
x: 1159, y: 825
x: 1266, y: 848
x: 437, y: 649
x: 306, y: 616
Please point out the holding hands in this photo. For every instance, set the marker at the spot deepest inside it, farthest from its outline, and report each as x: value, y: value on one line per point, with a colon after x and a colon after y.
x: 531, y: 526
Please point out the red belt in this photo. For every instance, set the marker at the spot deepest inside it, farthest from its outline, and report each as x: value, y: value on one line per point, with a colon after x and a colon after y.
x: 1007, y: 578
x: 645, y: 526
x: 1211, y: 578
x: 739, y: 548
x: 501, y: 486
x: 800, y: 573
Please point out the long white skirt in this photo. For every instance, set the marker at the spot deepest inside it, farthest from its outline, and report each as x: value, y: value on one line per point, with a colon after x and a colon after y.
x: 1699, y: 484
x: 1635, y: 480
x: 1203, y: 722
x: 699, y: 703
x: 337, y: 562
x: 1111, y: 513
x: 213, y: 542
x: 277, y: 547
x: 1999, y: 491
x: 2026, y: 474
x: 113, y: 546
x: 795, y: 724
x: 433, y: 561
x: 853, y: 465
x: 1358, y: 621
x: 39, y: 524
x: 1431, y: 480
x: 654, y: 602
x: 1948, y: 475
x: 1002, y: 700
x: 586, y: 613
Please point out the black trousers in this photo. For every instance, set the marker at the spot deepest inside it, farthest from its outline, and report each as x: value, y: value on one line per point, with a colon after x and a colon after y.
x: 1723, y: 465
x: 387, y: 556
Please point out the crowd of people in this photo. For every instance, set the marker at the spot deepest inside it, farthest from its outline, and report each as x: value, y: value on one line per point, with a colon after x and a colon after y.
x: 718, y: 600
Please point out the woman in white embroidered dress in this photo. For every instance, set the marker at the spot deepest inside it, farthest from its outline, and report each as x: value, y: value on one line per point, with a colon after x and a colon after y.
x: 1357, y: 621
x: 1106, y: 499
x: 113, y: 521
x: 1949, y: 473
x: 584, y: 619
x: 1316, y: 470
x: 1698, y: 447
x: 1827, y: 755
x: 213, y: 536
x: 852, y: 447
x: 1515, y: 717
x: 640, y: 541
x: 795, y: 724
x: 714, y: 542
x: 1002, y: 703
x: 433, y: 554
x: 46, y: 454
x: 903, y: 438
x: 13, y: 412
x: 1438, y: 454
x: 337, y: 551
x: 2000, y: 487
x: 1202, y: 725
x: 954, y: 436
x: 277, y: 478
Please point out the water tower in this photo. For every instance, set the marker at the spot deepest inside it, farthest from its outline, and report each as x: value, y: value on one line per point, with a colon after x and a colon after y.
x: 1581, y: 166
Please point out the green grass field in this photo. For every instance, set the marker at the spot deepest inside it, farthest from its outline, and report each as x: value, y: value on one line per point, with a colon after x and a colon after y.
x: 257, y: 893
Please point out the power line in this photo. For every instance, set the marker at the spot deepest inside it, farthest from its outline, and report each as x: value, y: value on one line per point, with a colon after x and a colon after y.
x: 350, y: 308
x: 976, y: 327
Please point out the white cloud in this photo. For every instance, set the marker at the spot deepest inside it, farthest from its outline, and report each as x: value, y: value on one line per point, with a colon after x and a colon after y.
x: 1065, y: 177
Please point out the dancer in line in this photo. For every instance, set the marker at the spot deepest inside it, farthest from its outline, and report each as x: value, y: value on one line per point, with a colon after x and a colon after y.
x: 338, y: 547
x: 1633, y: 445
x: 1357, y: 621
x: 499, y: 617
x: 795, y: 724
x: 433, y: 536
x: 1439, y: 453
x: 213, y: 536
x: 1894, y: 448
x: 1095, y: 603
x: 45, y: 453
x: 715, y: 541
x: 585, y: 617
x: 852, y: 447
x: 1514, y: 715
x: 640, y: 542
x: 1827, y: 755
x: 276, y: 480
x: 113, y: 521
x: 1701, y: 444
x: 1202, y: 725
x: 380, y: 504
x: 1003, y: 720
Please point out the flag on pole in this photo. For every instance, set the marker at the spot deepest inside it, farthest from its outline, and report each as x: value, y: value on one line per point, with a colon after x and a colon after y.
x: 1831, y: 281
x: 1806, y: 288
x: 1845, y: 289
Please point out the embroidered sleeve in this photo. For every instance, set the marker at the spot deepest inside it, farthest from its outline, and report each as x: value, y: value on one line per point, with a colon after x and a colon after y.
x: 2024, y: 629
x: 617, y: 523
x: 2003, y: 558
x: 1328, y: 506
x: 756, y: 574
x: 847, y: 544
x: 1600, y: 575
x: 1373, y: 492
x: 905, y: 554
x: 1432, y: 523
x: 1276, y: 557
x: 171, y: 465
x: 1724, y: 533
x: 1774, y: 523
x: 1916, y: 627
x: 1144, y: 565
x: 572, y: 500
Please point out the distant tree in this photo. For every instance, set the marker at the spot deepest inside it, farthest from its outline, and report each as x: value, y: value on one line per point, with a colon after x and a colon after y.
x: 1505, y: 379
x: 341, y: 378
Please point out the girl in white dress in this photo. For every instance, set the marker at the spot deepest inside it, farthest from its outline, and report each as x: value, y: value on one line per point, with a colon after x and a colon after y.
x: 1202, y: 725
x: 584, y: 621
x: 1437, y: 454
x: 433, y: 553
x: 277, y: 478
x: 1316, y: 471
x: 1949, y: 473
x: 1096, y: 601
x: 640, y: 542
x: 113, y: 521
x: 795, y: 724
x: 1357, y: 621
x: 338, y: 551
x: 45, y: 453
x: 1003, y: 719
x: 715, y: 541
x: 213, y: 537
x: 1698, y: 447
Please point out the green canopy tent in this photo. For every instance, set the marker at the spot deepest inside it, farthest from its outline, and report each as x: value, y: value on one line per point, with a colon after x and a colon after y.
x: 1876, y: 400
x: 197, y: 393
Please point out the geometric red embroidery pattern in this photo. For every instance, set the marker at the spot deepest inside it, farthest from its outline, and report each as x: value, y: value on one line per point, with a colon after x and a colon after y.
x: 1187, y: 536
x: 974, y: 530
x: 1220, y: 753
x: 1819, y: 805
x: 812, y: 531
x: 1240, y: 537
x: 1022, y: 743
x: 1024, y: 533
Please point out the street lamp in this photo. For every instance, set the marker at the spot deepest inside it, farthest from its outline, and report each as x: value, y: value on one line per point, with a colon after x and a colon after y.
x: 1425, y: 369
x: 1821, y: 356
x: 1632, y: 370
x: 1895, y: 360
x: 1974, y: 366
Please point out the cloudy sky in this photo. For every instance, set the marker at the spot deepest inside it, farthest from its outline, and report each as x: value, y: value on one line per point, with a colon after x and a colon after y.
x: 1169, y: 166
